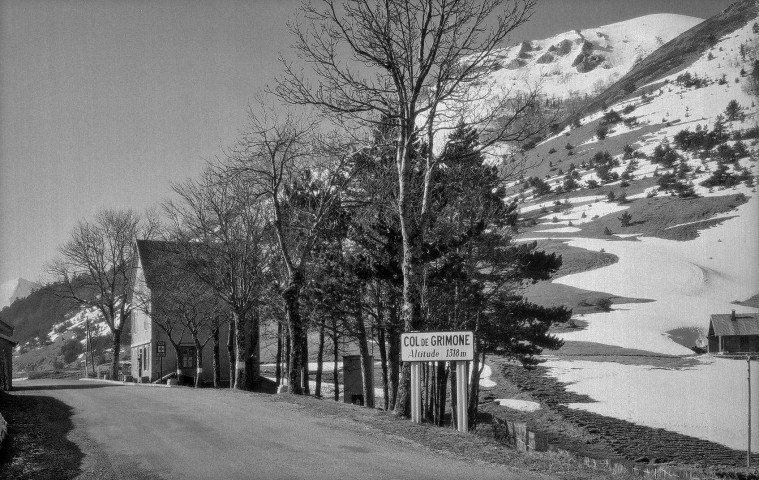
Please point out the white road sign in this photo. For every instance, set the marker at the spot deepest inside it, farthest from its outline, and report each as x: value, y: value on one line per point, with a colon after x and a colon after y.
x: 437, y: 346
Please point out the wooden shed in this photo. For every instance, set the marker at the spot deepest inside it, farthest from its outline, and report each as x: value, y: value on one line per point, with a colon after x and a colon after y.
x: 734, y: 333
x: 6, y: 356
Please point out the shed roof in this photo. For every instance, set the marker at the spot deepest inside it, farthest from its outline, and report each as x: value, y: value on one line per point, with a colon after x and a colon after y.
x: 744, y: 324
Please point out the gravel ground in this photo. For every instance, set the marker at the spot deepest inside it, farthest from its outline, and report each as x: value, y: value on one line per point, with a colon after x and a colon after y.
x: 37, y: 445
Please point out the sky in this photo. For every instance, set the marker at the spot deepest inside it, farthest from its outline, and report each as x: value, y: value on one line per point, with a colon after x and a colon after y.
x: 103, y: 104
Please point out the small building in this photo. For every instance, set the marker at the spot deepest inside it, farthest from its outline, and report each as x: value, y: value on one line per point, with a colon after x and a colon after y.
x: 6, y: 356
x: 734, y: 333
x: 157, y: 265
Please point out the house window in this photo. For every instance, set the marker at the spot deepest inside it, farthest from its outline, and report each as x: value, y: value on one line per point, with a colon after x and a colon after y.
x: 187, y: 357
x: 744, y: 344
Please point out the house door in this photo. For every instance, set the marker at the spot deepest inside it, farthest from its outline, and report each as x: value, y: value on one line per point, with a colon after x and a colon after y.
x: 187, y: 357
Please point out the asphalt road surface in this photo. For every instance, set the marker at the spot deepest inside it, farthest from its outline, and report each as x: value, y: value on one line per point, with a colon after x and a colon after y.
x: 139, y: 432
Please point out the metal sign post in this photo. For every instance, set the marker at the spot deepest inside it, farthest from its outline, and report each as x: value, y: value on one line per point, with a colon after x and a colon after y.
x: 419, y: 347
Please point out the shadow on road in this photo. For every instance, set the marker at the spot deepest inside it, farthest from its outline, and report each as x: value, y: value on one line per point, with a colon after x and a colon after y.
x: 36, y: 446
x: 29, y: 388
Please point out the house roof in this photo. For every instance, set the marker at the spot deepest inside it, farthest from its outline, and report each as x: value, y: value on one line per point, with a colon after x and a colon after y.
x: 5, y: 327
x: 744, y: 324
x: 162, y: 260
x: 8, y: 339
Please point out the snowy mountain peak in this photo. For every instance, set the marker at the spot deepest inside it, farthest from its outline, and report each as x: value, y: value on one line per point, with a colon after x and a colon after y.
x: 14, y: 289
x: 586, y: 61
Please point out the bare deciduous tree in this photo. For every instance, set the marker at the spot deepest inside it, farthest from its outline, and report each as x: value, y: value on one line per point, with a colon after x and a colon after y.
x: 299, y: 178
x: 95, y: 267
x: 221, y: 225
x: 422, y: 67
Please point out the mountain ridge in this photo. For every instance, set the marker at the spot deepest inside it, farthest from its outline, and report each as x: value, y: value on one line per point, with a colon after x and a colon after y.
x: 14, y: 289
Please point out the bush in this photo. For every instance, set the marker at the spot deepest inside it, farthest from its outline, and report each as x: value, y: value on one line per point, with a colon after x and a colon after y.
x: 540, y: 186
x: 71, y: 350
x: 604, y: 304
x: 602, y: 131
x: 569, y: 146
x: 611, y: 196
x: 628, y: 109
x: 625, y: 219
x: 552, y: 150
x: 611, y: 117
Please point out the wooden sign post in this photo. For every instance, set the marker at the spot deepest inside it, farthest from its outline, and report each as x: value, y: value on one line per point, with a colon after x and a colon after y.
x: 419, y: 347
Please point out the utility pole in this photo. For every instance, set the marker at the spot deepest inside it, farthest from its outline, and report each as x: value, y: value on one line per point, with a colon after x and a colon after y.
x: 88, y: 350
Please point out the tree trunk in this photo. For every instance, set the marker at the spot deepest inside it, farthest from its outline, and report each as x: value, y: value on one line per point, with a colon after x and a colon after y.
x: 383, y: 363
x: 336, y: 359
x: 216, y: 359
x: 278, y: 366
x: 291, y: 296
x: 412, y: 237
x: 252, y: 361
x: 394, y: 354
x: 231, y: 352
x: 198, y: 362
x: 306, y: 374
x: 242, y: 351
x: 474, y: 392
x: 115, y: 366
x: 367, y: 369
x: 320, y: 362
x: 288, y: 349
x: 442, y: 388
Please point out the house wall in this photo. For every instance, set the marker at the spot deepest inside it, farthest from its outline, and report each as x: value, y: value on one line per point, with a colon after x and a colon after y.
x: 733, y: 344
x: 170, y: 364
x: 142, y: 327
x: 146, y: 364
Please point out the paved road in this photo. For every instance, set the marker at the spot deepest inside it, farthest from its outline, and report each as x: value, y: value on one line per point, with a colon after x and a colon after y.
x: 178, y: 433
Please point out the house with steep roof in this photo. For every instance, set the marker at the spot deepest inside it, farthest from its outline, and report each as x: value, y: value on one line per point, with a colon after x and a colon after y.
x: 169, y: 304
x: 734, y: 333
x: 6, y: 356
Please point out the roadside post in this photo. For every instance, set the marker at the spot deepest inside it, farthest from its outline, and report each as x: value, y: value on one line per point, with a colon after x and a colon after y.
x: 748, y: 447
x: 420, y: 347
x: 160, y: 353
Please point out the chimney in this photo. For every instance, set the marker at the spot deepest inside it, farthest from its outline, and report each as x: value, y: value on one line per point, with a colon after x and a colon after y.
x: 732, y: 316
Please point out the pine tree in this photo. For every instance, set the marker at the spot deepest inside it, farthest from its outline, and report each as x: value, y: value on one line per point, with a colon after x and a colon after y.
x: 733, y: 110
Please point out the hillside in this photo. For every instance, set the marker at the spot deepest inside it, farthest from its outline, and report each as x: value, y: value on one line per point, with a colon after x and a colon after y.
x: 663, y: 178
x: 580, y: 62
x: 674, y: 55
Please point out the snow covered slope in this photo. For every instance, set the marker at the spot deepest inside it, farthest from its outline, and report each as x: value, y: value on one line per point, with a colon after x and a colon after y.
x: 580, y: 62
x: 686, y: 280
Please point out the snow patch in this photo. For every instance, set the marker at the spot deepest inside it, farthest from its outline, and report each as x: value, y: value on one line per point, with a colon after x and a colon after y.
x: 521, y: 405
